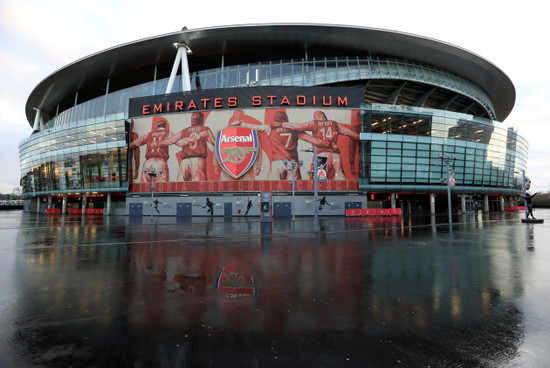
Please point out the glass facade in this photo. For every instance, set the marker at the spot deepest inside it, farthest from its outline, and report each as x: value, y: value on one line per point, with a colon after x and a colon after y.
x: 74, y: 157
x: 402, y: 146
x: 84, y: 147
x: 295, y: 72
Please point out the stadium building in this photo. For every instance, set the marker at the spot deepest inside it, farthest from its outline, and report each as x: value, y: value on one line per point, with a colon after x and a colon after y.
x: 205, y: 122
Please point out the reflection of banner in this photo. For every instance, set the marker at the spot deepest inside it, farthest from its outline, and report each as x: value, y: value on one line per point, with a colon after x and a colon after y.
x: 235, y: 282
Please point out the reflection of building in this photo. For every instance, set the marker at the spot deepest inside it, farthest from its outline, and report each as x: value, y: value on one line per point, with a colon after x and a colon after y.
x: 155, y: 300
x: 418, y: 98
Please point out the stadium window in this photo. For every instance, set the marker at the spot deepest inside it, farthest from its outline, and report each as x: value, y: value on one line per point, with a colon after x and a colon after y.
x: 396, y: 124
x: 378, y: 125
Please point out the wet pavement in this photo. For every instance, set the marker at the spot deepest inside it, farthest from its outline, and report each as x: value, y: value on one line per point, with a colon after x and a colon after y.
x: 385, y: 292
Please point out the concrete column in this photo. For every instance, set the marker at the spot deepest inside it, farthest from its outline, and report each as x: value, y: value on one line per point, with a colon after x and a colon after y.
x: 50, y: 199
x: 185, y: 75
x: 36, y: 125
x: 392, y: 198
x: 174, y: 72
x: 432, y: 204
x: 501, y: 203
x: 181, y: 57
x: 38, y: 199
x: 84, y: 199
x: 64, y: 206
x: 485, y: 203
x: 463, y: 203
x: 107, y: 209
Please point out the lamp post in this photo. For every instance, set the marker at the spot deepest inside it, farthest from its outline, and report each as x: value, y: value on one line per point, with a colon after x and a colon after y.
x: 315, y: 187
x: 152, y: 174
x: 293, y: 166
x: 450, y: 181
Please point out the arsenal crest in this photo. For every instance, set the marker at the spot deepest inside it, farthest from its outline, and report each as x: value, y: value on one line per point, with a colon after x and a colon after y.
x: 232, y: 281
x: 237, y: 149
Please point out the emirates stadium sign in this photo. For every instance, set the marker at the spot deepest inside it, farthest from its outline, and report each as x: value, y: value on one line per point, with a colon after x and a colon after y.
x: 237, y: 150
x: 243, y: 98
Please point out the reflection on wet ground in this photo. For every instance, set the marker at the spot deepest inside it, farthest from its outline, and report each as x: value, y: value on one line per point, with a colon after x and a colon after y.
x: 370, y: 292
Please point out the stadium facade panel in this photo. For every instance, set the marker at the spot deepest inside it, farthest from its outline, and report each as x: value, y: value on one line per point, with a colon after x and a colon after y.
x: 222, y: 113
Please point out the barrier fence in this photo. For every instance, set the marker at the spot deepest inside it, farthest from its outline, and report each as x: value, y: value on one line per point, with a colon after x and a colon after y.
x: 74, y: 211
x: 514, y: 208
x: 374, y: 212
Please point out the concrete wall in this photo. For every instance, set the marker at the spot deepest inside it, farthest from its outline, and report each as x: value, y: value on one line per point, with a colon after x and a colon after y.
x: 237, y: 204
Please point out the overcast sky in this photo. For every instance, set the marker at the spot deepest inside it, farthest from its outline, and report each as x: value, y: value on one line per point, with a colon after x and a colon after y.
x: 39, y: 37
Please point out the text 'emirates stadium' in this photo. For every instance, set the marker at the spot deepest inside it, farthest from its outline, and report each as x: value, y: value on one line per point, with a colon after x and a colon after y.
x: 308, y: 118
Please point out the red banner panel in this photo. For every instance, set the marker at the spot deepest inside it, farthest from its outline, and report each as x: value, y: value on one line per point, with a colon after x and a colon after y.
x: 253, y: 149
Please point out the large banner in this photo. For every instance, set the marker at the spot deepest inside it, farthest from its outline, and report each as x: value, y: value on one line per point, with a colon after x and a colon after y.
x: 244, y: 149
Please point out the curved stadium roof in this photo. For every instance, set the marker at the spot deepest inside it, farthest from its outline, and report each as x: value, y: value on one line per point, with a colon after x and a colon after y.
x: 261, y: 42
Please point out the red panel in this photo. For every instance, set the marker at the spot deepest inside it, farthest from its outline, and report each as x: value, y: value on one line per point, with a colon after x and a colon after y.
x: 353, y: 212
x: 94, y: 211
x: 395, y: 211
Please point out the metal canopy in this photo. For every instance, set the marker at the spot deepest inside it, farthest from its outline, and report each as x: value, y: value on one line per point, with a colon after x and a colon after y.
x: 259, y: 42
